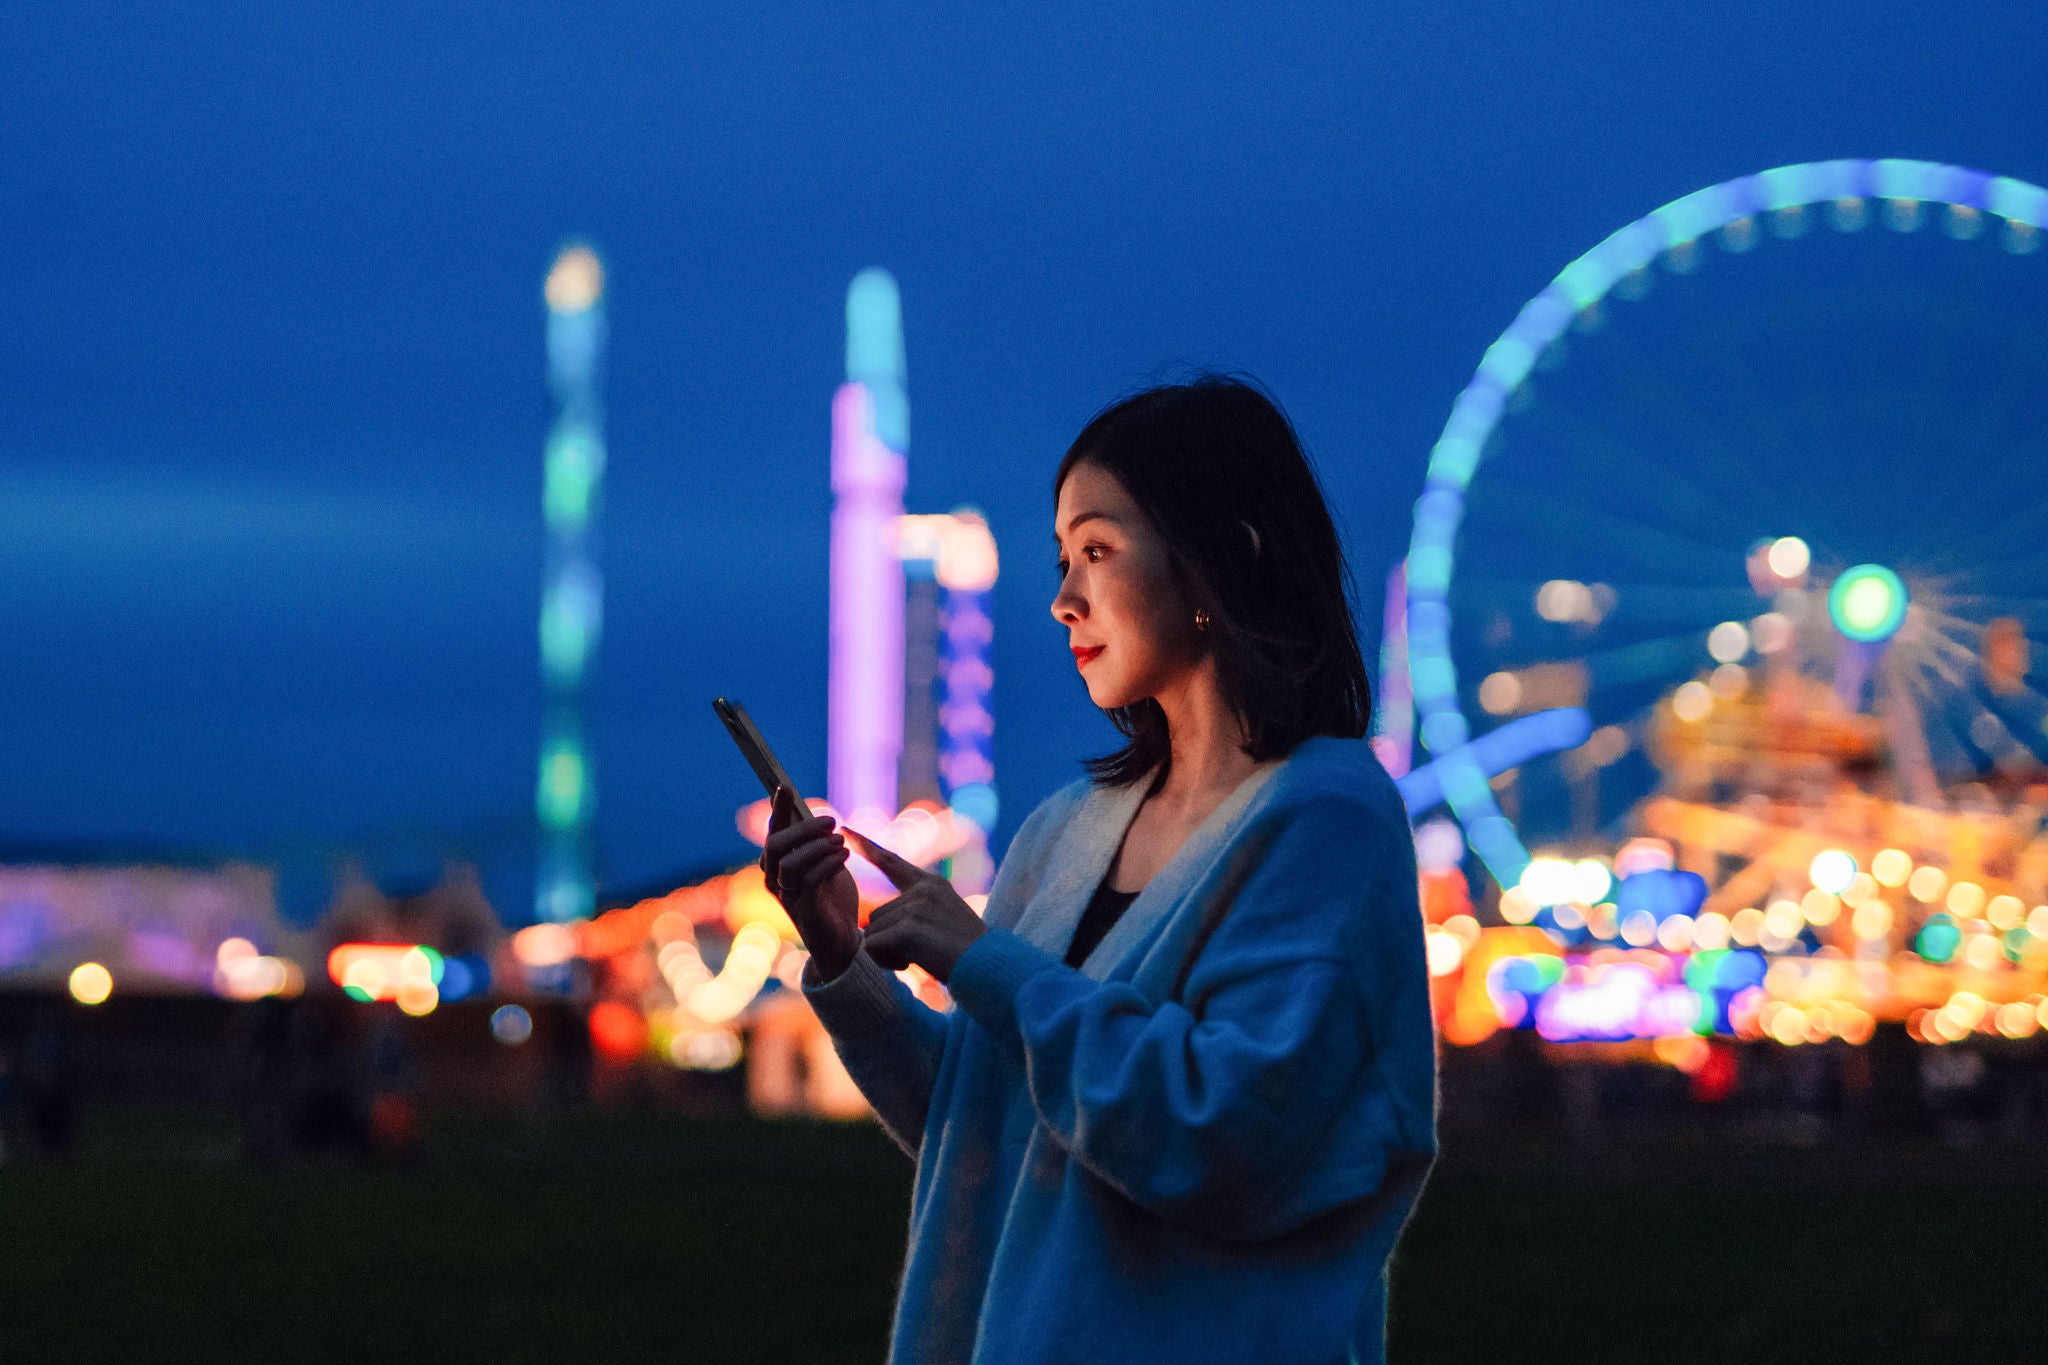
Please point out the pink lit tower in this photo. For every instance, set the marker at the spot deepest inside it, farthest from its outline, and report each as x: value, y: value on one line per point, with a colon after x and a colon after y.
x: 936, y: 573
x: 870, y: 439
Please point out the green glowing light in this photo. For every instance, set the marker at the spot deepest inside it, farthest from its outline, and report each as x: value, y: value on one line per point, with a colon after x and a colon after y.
x: 561, y: 788
x: 1939, y: 938
x: 575, y: 462
x: 1868, y: 603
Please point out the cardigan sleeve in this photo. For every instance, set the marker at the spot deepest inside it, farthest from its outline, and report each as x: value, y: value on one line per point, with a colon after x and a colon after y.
x: 1222, y: 1113
x: 889, y: 1040
x: 892, y: 1042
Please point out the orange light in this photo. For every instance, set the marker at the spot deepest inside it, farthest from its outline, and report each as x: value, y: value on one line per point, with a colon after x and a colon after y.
x: 618, y: 1034
x: 543, y: 945
x: 1686, y: 1051
x: 380, y: 971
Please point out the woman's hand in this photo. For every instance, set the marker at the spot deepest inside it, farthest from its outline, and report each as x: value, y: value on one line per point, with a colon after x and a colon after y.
x: 804, y: 862
x: 928, y: 924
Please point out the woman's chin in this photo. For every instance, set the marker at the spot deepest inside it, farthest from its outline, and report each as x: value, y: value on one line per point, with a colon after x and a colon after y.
x: 1106, y: 697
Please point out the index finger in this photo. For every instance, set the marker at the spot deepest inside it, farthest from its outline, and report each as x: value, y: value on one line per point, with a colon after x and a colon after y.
x: 900, y: 871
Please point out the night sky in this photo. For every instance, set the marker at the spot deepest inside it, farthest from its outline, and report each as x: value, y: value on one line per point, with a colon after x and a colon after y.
x: 271, y: 374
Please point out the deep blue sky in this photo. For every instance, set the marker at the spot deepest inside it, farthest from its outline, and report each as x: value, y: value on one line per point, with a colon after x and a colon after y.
x: 270, y: 375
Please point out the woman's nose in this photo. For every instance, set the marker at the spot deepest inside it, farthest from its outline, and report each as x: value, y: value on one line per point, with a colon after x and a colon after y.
x: 1068, y: 606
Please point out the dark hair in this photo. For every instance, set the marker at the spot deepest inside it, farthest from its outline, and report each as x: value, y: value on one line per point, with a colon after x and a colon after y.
x: 1217, y: 467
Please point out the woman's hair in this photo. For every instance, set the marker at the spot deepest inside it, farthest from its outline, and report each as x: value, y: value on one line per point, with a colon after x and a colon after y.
x: 1217, y: 467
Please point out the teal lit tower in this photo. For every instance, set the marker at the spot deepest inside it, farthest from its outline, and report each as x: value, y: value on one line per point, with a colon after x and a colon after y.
x: 572, y: 597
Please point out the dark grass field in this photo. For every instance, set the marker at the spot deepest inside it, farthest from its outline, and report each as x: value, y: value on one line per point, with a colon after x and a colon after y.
x: 642, y: 1237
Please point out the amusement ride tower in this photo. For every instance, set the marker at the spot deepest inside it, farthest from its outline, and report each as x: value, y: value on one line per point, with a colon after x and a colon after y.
x: 572, y: 598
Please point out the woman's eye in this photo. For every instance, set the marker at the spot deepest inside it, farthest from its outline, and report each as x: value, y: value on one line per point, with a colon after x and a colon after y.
x: 1092, y: 551
x: 1062, y: 568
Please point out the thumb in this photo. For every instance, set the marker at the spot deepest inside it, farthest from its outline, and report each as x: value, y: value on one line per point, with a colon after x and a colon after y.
x: 902, y: 874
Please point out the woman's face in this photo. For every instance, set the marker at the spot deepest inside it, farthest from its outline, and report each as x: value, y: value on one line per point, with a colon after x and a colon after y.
x: 1127, y: 620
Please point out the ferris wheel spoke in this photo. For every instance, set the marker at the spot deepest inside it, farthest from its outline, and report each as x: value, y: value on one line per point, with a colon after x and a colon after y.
x: 1933, y: 661
x: 2030, y: 566
x: 1941, y: 636
x: 2002, y: 545
x: 1646, y: 661
x: 2024, y: 731
x: 2027, y: 609
x: 1653, y: 549
x: 1634, y: 603
x: 1658, y: 480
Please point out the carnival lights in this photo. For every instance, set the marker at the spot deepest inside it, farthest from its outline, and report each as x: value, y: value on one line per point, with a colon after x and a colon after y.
x: 870, y: 439
x: 572, y: 598
x: 1781, y: 196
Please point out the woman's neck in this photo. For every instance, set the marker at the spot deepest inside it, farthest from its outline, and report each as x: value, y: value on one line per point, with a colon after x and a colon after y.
x: 1206, y: 740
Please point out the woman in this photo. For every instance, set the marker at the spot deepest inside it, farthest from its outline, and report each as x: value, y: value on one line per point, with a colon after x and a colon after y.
x: 1187, y: 1095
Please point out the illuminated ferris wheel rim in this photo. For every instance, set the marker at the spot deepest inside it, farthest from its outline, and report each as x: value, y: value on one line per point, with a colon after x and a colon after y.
x: 1507, y: 362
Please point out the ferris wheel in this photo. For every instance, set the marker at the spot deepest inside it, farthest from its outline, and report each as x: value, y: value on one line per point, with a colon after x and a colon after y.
x: 1815, y: 460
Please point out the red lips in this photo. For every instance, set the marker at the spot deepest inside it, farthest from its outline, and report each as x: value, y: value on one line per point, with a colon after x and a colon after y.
x: 1083, y: 657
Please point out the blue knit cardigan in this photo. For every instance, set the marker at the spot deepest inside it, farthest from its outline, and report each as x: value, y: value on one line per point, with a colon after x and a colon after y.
x: 1200, y: 1146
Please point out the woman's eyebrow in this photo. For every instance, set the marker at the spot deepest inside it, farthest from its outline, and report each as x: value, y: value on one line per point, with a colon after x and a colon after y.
x: 1086, y: 516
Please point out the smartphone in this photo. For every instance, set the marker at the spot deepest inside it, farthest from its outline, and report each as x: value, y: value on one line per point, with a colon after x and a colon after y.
x: 759, y: 756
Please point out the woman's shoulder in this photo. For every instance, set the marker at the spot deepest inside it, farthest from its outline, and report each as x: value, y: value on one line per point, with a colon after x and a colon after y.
x: 1324, y: 768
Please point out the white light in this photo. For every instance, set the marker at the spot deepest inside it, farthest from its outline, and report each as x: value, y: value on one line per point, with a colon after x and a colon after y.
x: 1693, y: 702
x: 1566, y: 599
x: 1548, y: 881
x: 1445, y: 953
x: 1771, y: 632
x: 1789, y: 557
x: 1832, y: 871
x: 576, y: 282
x: 1438, y: 845
x: 1591, y: 881
x: 1728, y: 642
x: 1674, y: 935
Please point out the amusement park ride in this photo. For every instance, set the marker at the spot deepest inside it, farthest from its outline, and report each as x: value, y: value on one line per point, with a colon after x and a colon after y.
x: 1836, y: 813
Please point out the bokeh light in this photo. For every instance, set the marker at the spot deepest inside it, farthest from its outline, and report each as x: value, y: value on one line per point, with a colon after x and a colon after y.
x: 1927, y: 884
x: 1710, y: 931
x: 576, y: 282
x: 1891, y: 867
x: 511, y: 1025
x: 1772, y: 633
x: 1868, y: 603
x: 91, y: 983
x: 1728, y: 642
x: 1872, y: 920
x: 1692, y: 702
x: 1789, y: 557
x: 1832, y: 870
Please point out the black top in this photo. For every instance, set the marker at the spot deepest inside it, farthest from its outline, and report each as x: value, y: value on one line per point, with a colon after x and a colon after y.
x: 1105, y: 908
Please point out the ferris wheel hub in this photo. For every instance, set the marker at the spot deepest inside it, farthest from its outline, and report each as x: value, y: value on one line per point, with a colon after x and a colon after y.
x: 1868, y: 603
